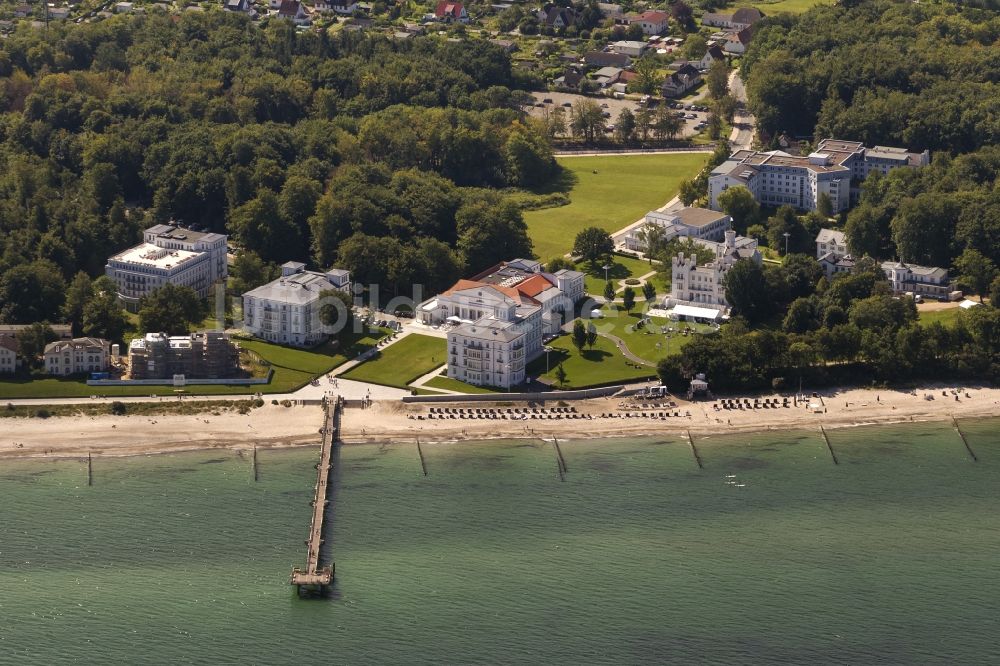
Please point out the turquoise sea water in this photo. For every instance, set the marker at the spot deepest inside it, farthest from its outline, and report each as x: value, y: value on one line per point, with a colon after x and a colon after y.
x: 770, y: 554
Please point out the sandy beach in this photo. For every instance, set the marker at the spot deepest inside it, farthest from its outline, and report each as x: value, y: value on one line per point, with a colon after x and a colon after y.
x: 385, y: 421
x: 71, y: 436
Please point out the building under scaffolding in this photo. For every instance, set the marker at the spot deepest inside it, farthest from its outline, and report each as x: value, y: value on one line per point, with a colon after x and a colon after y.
x: 208, y: 355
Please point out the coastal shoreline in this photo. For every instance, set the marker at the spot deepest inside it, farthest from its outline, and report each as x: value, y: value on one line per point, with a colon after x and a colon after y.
x: 275, y: 427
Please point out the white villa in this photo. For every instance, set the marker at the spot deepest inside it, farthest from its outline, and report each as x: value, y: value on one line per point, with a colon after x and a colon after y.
x: 701, y: 286
x: 699, y: 223
x: 925, y: 281
x: 775, y: 177
x: 67, y: 357
x: 500, y: 318
x: 287, y: 310
x: 168, y: 254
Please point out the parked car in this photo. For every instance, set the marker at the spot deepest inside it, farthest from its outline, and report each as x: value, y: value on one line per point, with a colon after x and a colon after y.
x: 567, y: 104
x: 547, y: 100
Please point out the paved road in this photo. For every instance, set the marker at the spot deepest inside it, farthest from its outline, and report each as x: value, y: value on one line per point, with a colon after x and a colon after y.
x: 743, y: 121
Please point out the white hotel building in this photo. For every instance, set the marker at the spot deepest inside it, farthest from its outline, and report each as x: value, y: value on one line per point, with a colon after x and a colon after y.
x: 701, y: 286
x: 500, y: 318
x: 168, y: 254
x: 694, y: 223
x: 776, y: 178
x: 287, y: 310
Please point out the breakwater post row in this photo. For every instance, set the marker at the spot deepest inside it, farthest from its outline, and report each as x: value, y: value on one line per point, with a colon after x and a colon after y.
x: 826, y: 438
x: 694, y: 450
x: 315, y: 579
x: 420, y: 452
x: 961, y: 434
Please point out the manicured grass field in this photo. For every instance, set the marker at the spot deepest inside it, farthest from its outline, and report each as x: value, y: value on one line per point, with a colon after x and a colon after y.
x: 791, y: 6
x: 293, y: 368
x: 621, y: 269
x: 948, y: 317
x: 642, y: 341
x: 602, y: 365
x: 609, y: 192
x: 449, y: 384
x: 402, y: 362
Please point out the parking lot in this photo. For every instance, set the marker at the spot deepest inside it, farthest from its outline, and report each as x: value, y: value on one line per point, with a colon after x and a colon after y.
x: 612, y: 108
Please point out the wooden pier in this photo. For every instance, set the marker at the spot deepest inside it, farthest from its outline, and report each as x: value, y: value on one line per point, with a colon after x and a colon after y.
x: 315, y: 579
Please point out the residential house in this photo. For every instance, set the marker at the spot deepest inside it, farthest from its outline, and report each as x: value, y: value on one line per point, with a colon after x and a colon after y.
x: 287, y: 310
x: 168, y: 254
x: 712, y: 55
x: 681, y: 81
x: 507, y: 45
x: 830, y: 240
x: 124, y: 8
x: 834, y: 264
x: 449, y: 12
x: 79, y: 355
x: 22, y: 11
x: 927, y: 281
x: 570, y: 79
x: 556, y: 17
x: 606, y: 59
x: 208, y: 355
x: 652, y: 22
x: 694, y: 223
x: 294, y: 11
x: 834, y: 169
x: 240, y: 6
x: 630, y: 48
x: 703, y: 286
x: 500, y: 318
x: 744, y: 17
x: 607, y: 76
x: 8, y: 354
x: 342, y: 7
x: 58, y: 13
x: 738, y: 41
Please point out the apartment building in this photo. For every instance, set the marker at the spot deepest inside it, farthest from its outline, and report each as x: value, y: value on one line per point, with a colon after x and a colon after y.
x: 287, y: 310
x: 701, y: 223
x: 776, y: 178
x: 208, y: 355
x: 78, y: 355
x: 702, y: 285
x: 168, y: 255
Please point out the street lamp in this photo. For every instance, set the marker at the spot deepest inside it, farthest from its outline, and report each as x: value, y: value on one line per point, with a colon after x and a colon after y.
x: 786, y: 235
x: 547, y: 350
x: 606, y: 269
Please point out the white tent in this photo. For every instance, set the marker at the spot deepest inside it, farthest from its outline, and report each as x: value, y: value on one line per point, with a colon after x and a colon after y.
x: 968, y: 305
x: 709, y: 314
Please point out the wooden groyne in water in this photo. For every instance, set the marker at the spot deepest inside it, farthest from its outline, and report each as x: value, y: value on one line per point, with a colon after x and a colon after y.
x: 255, y: 475
x: 826, y: 438
x: 961, y: 434
x: 90, y: 470
x: 694, y: 450
x: 420, y: 452
x: 315, y: 579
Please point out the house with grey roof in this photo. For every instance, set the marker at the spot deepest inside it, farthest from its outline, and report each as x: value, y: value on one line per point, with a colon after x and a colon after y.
x: 695, y: 223
x: 703, y: 285
x: 79, y: 355
x: 8, y: 354
x: 287, y: 310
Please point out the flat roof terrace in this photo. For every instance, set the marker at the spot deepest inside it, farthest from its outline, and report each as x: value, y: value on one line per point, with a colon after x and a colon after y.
x: 152, y: 256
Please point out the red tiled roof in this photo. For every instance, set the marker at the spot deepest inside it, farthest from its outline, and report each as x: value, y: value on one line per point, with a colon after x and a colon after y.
x: 446, y: 8
x: 533, y: 286
x: 654, y: 16
x: 510, y: 292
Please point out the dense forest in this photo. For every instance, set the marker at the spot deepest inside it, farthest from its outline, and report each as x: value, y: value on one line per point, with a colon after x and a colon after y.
x: 380, y: 156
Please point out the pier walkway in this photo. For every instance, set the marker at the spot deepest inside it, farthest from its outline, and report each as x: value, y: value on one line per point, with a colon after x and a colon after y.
x: 316, y: 579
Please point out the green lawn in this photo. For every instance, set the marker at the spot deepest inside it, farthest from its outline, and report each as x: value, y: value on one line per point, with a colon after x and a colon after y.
x: 449, y: 384
x: 621, y: 268
x: 947, y: 317
x: 791, y: 6
x: 402, y: 362
x: 642, y: 341
x: 603, y: 364
x: 293, y: 368
x: 609, y: 192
